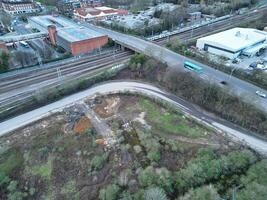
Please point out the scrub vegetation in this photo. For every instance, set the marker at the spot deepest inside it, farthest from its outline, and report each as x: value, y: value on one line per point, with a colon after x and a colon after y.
x: 157, y: 153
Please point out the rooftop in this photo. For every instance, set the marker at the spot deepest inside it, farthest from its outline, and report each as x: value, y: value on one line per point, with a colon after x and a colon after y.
x: 59, y: 22
x: 78, y: 34
x: 66, y: 28
x: 237, y: 39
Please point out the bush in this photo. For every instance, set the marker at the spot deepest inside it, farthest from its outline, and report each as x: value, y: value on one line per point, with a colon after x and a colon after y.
x: 253, y: 191
x: 160, y: 177
x: 205, y: 192
x: 147, y: 177
x: 206, y: 169
x: 155, y: 193
x: 14, y: 193
x: 254, y: 183
x: 111, y: 192
x: 3, y: 179
x: 98, y: 162
x: 154, y: 156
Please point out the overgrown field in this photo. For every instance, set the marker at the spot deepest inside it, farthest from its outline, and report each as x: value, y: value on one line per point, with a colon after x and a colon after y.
x: 153, y: 152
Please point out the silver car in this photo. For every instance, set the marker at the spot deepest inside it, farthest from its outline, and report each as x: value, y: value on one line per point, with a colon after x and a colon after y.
x: 261, y: 94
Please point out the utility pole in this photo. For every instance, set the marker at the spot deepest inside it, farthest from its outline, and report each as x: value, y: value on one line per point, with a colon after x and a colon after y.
x: 232, y: 71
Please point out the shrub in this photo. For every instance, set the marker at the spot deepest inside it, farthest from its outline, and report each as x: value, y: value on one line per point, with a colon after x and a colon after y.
x: 205, y: 169
x: 111, y: 192
x: 154, y: 156
x: 98, y: 162
x: 155, y: 193
x: 205, y: 192
x: 147, y: 177
x: 160, y: 177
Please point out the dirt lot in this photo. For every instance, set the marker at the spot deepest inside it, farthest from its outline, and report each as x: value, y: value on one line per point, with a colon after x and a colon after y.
x: 58, y: 157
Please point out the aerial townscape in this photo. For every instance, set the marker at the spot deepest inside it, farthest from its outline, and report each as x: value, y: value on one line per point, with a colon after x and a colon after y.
x: 133, y: 100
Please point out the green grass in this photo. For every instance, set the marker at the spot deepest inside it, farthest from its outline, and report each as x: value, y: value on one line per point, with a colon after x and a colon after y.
x: 171, y: 122
x: 11, y: 160
x: 44, y: 170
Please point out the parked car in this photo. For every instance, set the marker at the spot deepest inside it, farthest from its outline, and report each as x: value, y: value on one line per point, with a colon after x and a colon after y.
x: 236, y: 60
x: 253, y: 65
x: 261, y: 94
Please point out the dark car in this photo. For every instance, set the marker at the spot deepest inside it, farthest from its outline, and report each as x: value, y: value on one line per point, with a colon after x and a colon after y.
x: 253, y: 65
x: 223, y: 82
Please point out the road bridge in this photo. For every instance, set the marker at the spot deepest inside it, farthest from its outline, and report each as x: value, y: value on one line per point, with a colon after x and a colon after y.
x: 26, y: 37
x: 175, y: 61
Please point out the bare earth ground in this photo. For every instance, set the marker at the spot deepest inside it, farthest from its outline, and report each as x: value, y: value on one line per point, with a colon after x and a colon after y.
x: 57, y: 155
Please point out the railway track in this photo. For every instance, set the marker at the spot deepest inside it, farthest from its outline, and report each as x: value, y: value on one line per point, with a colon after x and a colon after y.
x: 53, y: 73
x: 199, y: 31
x: 22, y: 74
x: 69, y: 73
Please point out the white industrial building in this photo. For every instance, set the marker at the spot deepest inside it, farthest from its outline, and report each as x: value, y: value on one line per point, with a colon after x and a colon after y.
x: 234, y: 42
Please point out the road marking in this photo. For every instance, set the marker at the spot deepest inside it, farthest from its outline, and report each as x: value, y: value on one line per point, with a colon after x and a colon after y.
x: 204, y: 76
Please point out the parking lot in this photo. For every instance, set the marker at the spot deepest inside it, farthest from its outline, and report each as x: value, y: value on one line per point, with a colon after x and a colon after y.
x: 250, y: 63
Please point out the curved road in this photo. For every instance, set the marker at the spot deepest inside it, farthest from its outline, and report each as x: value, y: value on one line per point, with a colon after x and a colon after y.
x: 236, y: 133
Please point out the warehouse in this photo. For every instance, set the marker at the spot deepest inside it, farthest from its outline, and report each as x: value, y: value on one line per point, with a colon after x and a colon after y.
x: 69, y: 35
x: 234, y: 42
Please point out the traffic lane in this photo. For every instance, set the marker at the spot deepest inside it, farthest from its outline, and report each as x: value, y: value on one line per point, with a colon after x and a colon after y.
x: 240, y: 87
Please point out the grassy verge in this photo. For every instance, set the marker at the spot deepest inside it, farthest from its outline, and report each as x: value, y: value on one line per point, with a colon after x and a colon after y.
x: 170, y: 122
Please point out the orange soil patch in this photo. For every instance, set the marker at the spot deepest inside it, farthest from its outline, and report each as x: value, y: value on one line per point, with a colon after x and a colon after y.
x: 82, y: 125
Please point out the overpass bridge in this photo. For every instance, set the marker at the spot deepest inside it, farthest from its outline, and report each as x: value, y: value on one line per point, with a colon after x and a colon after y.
x: 176, y: 61
x: 26, y: 37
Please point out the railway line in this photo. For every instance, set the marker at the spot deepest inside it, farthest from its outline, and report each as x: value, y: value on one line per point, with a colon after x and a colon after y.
x: 65, y: 70
x: 213, y: 27
x: 74, y: 61
x: 20, y: 91
x: 17, y: 88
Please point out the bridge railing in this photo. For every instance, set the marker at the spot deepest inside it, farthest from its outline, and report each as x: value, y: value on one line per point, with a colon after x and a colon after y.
x: 17, y: 38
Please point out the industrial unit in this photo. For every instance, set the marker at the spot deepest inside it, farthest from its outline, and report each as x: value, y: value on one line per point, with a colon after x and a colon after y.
x: 69, y: 35
x: 234, y: 42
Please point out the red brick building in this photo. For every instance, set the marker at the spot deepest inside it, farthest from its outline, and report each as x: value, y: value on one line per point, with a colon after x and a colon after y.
x: 97, y: 13
x: 69, y: 35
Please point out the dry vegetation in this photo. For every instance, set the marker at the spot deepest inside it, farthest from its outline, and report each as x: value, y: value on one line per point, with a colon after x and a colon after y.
x: 63, y: 157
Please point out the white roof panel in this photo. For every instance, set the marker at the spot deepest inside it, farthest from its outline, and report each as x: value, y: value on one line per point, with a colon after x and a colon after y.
x: 236, y: 39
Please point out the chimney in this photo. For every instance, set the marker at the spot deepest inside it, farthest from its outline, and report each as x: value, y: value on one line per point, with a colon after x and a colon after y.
x: 52, y: 30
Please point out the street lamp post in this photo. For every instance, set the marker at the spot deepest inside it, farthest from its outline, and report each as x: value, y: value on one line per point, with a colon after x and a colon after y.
x: 232, y: 71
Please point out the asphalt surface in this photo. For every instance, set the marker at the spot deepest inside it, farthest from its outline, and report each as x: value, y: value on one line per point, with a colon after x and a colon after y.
x: 234, y: 86
x: 236, y: 133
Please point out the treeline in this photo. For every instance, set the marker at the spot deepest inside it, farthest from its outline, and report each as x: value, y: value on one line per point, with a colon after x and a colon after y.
x: 190, y: 181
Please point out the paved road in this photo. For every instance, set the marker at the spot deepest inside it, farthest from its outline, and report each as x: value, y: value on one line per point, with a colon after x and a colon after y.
x: 174, y: 60
x: 233, y: 131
